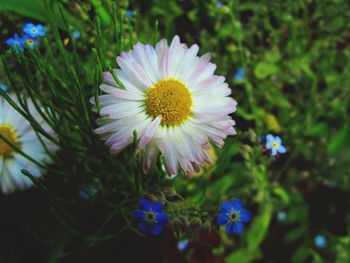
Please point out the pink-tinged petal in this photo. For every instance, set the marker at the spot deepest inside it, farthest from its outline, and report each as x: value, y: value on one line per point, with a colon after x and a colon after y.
x: 175, y: 42
x: 122, y: 94
x: 161, y: 47
x: 149, y: 133
x: 186, y: 63
x: 109, y: 78
x: 169, y: 155
x: 143, y: 58
x: 120, y: 145
x: 135, y: 73
x: 149, y: 158
x: 206, y: 84
x: 218, y: 142
x: 165, y: 63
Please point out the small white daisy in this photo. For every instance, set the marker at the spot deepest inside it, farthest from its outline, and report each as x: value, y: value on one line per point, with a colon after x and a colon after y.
x: 172, y: 99
x: 16, y: 129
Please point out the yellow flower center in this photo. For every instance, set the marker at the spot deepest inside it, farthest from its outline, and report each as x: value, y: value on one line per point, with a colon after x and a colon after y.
x: 34, y: 30
x: 171, y: 99
x: 30, y: 41
x: 275, y: 145
x: 9, y: 133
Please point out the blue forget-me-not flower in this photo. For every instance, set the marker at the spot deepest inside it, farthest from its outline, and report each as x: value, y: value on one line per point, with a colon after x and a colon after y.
x: 34, y: 30
x: 129, y: 13
x: 320, y: 241
x: 239, y: 75
x: 219, y: 4
x: 151, y: 216
x: 281, y: 216
x: 274, y: 144
x: 30, y: 41
x: 16, y: 42
x: 3, y: 87
x: 233, y: 215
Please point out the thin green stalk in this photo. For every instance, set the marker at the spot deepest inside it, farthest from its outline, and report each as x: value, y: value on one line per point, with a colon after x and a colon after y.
x: 115, y: 25
x: 116, y: 79
x: 97, y: 79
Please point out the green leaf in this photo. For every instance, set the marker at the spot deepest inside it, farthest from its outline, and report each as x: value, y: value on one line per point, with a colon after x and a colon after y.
x: 264, y: 70
x: 259, y: 228
x: 339, y: 140
x: 243, y: 256
x: 301, y: 254
x: 272, y: 56
x: 319, y: 129
x: 283, y: 194
x: 295, y: 234
x: 36, y: 9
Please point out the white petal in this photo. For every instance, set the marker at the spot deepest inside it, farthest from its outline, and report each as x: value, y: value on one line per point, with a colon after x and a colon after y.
x: 149, y: 132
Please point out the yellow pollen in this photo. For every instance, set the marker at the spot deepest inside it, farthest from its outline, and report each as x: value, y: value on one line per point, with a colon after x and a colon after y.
x: 275, y: 145
x: 30, y: 41
x: 171, y: 99
x: 9, y: 133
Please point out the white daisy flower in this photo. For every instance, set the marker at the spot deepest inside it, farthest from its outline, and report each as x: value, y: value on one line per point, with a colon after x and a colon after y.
x: 172, y: 99
x: 16, y: 129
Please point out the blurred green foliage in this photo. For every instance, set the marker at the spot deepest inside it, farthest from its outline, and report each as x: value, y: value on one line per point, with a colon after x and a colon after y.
x: 296, y: 59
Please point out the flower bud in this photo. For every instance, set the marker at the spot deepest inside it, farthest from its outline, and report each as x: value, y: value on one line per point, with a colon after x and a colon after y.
x: 152, y: 198
x: 195, y: 223
x: 253, y: 137
x: 169, y: 192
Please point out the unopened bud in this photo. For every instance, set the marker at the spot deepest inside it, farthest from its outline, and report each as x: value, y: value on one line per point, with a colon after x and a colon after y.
x: 247, y: 148
x: 150, y: 197
x: 169, y: 192
x: 196, y: 222
x: 253, y: 137
x: 176, y: 225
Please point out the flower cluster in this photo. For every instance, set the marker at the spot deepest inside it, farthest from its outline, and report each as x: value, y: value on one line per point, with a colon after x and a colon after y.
x: 30, y: 37
x: 152, y: 219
